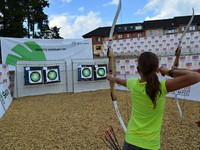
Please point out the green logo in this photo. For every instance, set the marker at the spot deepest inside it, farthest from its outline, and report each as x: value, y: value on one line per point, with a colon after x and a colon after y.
x: 2, y: 99
x: 33, y: 52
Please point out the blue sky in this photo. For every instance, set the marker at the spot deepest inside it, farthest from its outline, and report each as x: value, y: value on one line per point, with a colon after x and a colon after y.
x: 78, y: 17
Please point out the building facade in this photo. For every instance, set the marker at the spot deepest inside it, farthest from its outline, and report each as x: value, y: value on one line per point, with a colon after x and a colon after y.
x: 151, y: 28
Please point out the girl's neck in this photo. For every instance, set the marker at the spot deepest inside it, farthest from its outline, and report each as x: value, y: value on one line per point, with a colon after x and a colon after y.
x: 143, y: 78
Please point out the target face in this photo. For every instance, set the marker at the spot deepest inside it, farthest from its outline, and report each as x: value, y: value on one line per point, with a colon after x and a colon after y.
x: 100, y: 72
x: 85, y: 72
x: 52, y: 74
x: 35, y: 76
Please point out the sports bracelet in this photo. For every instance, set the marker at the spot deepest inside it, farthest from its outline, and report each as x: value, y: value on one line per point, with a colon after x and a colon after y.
x: 171, y: 73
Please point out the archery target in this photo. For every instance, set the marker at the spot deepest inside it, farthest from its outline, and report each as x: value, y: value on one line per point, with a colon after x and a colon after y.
x: 52, y: 74
x: 100, y: 71
x: 34, y: 77
x: 85, y: 72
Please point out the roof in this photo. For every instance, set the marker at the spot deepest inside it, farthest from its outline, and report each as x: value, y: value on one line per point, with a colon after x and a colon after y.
x: 184, y: 20
x: 165, y: 23
x: 101, y: 31
x: 152, y: 24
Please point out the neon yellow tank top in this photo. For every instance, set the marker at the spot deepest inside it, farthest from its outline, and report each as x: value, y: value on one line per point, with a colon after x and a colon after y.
x: 145, y: 123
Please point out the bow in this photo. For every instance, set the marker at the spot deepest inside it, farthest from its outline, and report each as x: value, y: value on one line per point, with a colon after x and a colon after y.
x: 176, y: 61
x: 111, y: 67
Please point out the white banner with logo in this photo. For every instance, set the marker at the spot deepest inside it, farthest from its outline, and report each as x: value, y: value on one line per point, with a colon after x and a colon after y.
x: 187, y: 93
x: 5, y: 98
x: 16, y: 49
x: 2, y: 109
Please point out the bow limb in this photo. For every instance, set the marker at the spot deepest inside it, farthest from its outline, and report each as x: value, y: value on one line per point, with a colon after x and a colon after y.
x: 178, y: 50
x: 176, y: 61
x: 112, y: 68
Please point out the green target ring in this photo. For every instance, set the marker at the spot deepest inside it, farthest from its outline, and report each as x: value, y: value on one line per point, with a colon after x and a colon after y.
x: 35, y: 76
x: 52, y: 75
x: 86, y: 72
x: 101, y: 72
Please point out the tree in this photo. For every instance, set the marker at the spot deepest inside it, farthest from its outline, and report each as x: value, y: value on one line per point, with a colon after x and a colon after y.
x: 37, y: 20
x: 23, y: 18
x: 55, y: 33
x: 12, y: 18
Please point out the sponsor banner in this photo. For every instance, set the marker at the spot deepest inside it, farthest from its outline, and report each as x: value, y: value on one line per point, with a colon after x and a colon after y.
x: 5, y: 98
x: 2, y: 109
x: 187, y: 62
x: 162, y: 45
x: 16, y: 49
x: 188, y: 93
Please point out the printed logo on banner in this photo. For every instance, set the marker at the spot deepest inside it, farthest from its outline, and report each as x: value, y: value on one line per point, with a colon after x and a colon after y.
x: 183, y: 92
x: 5, y: 97
x: 182, y: 58
x: 170, y: 58
x: 195, y: 57
x: 2, y: 99
x: 32, y: 51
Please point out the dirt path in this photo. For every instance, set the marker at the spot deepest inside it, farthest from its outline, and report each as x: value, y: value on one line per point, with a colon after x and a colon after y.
x: 75, y: 121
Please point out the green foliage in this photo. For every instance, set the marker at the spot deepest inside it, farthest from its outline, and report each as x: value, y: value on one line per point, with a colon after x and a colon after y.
x: 23, y: 18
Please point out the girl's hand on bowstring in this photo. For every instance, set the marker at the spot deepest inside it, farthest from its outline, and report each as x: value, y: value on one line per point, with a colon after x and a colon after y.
x: 163, y: 70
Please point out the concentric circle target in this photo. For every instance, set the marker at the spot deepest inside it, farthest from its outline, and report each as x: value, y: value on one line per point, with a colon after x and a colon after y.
x: 101, y: 72
x: 52, y: 75
x: 35, y: 76
x: 86, y: 72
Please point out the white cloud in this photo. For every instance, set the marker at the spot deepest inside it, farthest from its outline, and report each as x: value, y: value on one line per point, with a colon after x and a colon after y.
x: 163, y: 9
x: 113, y: 2
x: 149, y: 6
x: 81, y: 9
x: 73, y: 27
x: 67, y: 1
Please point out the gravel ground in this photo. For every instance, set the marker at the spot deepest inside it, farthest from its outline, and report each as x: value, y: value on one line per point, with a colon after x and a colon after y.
x: 71, y: 121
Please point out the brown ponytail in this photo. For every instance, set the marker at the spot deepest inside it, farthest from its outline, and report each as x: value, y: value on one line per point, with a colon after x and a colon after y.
x: 148, y: 64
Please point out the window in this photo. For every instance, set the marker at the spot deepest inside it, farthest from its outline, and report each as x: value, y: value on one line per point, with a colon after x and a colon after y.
x: 139, y: 35
x: 183, y: 29
x: 192, y: 28
x: 128, y: 35
x: 125, y: 28
x: 159, y: 32
x: 150, y: 32
x: 119, y: 28
x: 120, y: 36
x: 172, y: 31
x: 98, y: 48
x: 98, y: 39
x: 138, y: 27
